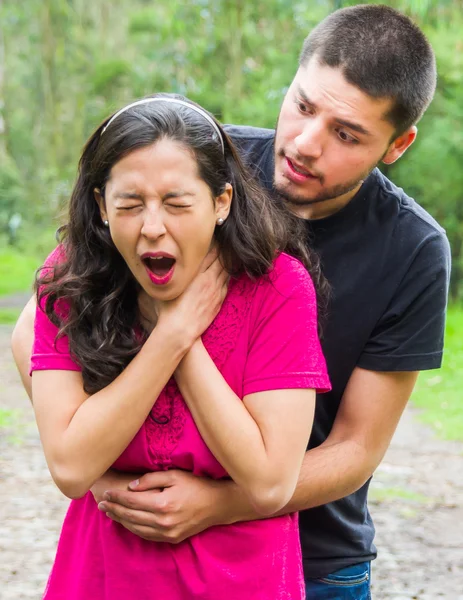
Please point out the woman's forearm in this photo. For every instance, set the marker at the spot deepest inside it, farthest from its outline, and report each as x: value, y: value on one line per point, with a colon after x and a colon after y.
x: 105, y: 423
x: 232, y: 434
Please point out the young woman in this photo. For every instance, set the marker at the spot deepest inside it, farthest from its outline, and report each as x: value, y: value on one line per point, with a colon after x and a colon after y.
x: 131, y: 370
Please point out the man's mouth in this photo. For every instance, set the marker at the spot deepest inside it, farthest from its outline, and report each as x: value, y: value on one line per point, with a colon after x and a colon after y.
x: 298, y: 169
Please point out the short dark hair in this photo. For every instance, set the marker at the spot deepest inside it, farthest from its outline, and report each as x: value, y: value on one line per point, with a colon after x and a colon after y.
x: 380, y: 51
x: 103, y: 323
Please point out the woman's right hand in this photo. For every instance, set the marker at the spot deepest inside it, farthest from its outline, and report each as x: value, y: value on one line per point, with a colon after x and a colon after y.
x: 194, y: 310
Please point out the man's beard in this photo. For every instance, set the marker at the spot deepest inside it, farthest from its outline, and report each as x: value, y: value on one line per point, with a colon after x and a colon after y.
x: 325, y: 194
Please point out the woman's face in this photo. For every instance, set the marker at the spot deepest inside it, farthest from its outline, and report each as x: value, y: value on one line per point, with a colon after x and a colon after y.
x: 161, y: 216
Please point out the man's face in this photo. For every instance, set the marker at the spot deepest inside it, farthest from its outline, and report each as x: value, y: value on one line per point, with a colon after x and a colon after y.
x: 329, y: 137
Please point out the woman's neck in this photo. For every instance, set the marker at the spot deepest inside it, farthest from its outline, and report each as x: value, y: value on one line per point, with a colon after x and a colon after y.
x: 148, y: 311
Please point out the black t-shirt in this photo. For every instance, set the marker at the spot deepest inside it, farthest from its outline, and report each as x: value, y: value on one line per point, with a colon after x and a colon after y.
x: 388, y: 264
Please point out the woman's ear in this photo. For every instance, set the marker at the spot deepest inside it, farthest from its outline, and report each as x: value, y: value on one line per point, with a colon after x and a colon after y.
x: 223, y: 202
x: 101, y: 203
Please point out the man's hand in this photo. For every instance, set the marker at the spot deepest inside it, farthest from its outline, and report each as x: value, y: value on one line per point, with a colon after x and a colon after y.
x: 170, y: 506
x: 111, y: 480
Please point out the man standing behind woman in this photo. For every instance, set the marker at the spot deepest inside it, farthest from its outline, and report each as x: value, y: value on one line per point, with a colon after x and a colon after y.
x: 365, y: 77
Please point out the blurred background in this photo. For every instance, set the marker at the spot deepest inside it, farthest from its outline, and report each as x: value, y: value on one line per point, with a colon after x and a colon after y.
x: 64, y: 66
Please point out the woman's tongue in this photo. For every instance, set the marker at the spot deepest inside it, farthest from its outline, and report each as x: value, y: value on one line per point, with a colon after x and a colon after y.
x: 160, y: 266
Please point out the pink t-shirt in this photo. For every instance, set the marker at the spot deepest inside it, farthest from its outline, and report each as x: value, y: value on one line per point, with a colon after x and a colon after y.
x: 264, y: 338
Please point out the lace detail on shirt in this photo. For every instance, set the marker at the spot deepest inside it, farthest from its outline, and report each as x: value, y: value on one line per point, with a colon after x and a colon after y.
x: 167, y: 418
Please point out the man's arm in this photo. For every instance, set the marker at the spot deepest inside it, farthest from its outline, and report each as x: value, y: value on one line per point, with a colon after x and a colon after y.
x: 368, y: 415
x: 21, y: 343
x: 367, y: 418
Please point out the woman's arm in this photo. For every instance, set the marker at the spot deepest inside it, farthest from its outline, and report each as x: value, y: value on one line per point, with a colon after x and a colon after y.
x: 21, y: 343
x: 83, y: 435
x: 260, y: 441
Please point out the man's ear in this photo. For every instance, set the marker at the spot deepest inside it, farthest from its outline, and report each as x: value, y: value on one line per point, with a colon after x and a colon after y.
x: 223, y: 202
x: 101, y: 203
x: 399, y: 145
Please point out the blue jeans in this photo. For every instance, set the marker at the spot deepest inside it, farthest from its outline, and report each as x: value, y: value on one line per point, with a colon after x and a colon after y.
x: 351, y: 583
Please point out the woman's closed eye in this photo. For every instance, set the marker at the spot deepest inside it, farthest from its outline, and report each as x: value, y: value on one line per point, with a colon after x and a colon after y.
x: 129, y: 207
x: 178, y: 205
x: 178, y: 199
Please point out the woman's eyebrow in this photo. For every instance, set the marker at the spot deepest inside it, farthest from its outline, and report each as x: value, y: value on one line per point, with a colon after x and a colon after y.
x: 177, y: 194
x: 128, y: 196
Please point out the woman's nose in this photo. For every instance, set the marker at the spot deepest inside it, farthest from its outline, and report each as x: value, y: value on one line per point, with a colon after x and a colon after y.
x: 153, y: 224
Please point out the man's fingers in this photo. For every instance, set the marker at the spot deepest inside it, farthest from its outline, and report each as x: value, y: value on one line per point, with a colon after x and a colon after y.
x: 150, y: 534
x: 152, y: 481
x: 136, y: 501
x: 136, y: 517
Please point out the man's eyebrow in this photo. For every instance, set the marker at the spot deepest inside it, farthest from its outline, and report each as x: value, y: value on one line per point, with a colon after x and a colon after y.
x: 303, y: 95
x: 354, y: 126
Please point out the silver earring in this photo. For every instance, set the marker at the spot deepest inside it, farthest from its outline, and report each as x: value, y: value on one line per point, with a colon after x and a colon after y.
x: 220, y: 221
x: 106, y: 223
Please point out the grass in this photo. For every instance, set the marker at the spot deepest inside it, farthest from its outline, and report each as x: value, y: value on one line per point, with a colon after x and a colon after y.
x: 9, y: 316
x: 18, y: 264
x: 439, y: 393
x: 380, y: 494
x: 16, y: 272
x: 6, y: 417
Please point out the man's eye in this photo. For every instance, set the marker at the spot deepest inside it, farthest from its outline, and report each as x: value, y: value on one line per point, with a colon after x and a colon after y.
x: 302, y: 107
x: 345, y: 137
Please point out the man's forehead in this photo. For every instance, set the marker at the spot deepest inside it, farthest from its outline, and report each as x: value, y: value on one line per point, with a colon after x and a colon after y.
x: 326, y: 87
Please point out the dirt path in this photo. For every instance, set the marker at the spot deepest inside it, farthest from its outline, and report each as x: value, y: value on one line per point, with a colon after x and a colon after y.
x: 417, y: 505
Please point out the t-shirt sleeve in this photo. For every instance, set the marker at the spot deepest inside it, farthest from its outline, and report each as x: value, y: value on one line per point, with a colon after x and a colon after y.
x: 410, y: 334
x: 48, y: 352
x: 284, y: 348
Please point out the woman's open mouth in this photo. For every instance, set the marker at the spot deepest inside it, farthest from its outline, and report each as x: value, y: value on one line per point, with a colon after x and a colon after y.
x: 159, y: 266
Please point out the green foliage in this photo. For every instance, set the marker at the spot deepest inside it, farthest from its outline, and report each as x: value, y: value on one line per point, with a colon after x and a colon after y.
x: 6, y: 418
x: 11, y: 193
x: 76, y: 61
x: 383, y: 494
x: 16, y: 272
x: 109, y: 75
x: 19, y: 263
x: 432, y: 171
x: 439, y: 392
x: 9, y: 316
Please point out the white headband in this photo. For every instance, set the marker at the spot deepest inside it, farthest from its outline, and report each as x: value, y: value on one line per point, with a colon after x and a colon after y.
x: 174, y: 100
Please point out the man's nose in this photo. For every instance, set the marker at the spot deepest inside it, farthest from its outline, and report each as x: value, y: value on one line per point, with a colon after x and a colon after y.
x: 309, y: 143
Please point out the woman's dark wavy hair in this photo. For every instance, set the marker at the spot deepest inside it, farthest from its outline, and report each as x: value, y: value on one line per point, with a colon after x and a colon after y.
x: 103, y: 323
